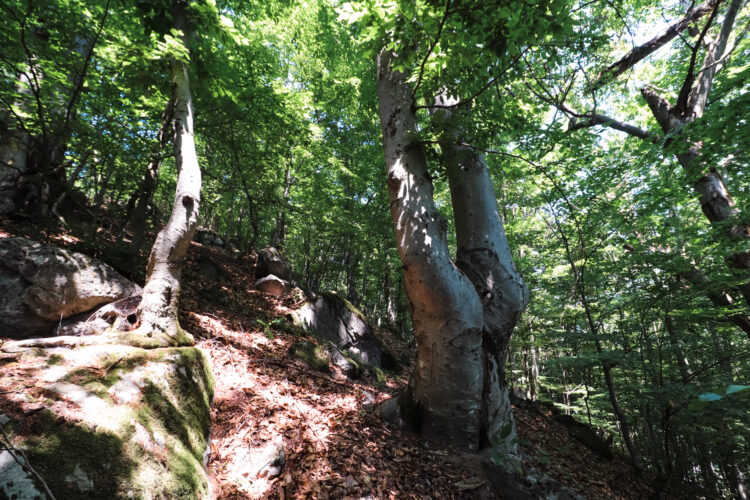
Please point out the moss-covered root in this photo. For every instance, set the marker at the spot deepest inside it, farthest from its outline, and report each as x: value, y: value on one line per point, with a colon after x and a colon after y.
x: 143, y: 337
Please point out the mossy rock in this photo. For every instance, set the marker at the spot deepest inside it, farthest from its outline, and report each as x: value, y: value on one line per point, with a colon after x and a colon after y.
x: 332, y: 318
x: 120, y: 422
x: 313, y: 355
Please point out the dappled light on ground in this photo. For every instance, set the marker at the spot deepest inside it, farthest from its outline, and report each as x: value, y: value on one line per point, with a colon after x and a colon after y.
x: 334, y: 443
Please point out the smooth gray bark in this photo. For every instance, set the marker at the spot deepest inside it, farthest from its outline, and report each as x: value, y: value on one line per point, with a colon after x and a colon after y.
x: 464, y: 312
x: 157, y: 311
x: 447, y: 383
x: 484, y: 256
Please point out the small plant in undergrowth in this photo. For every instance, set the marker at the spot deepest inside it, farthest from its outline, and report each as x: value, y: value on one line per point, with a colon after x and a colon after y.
x: 269, y: 325
x: 502, y: 454
x: 543, y: 458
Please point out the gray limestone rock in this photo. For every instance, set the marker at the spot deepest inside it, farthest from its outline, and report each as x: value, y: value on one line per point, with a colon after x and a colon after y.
x: 273, y: 285
x: 272, y: 261
x: 335, y: 319
x: 206, y: 237
x: 42, y: 285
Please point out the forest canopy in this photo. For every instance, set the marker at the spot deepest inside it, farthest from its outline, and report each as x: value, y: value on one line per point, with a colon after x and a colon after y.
x: 596, y: 152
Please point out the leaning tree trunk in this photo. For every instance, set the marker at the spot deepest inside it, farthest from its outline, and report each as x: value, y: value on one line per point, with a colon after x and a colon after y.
x: 457, y: 394
x: 157, y: 312
x: 715, y: 200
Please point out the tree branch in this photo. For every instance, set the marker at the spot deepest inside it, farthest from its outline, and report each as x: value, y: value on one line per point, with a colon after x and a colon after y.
x: 699, y: 93
x: 432, y: 47
x: 593, y: 119
x: 462, y: 102
x: 639, y: 53
x: 687, y: 85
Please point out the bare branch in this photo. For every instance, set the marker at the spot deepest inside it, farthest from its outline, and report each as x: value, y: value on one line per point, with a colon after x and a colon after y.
x: 642, y: 51
x: 15, y: 453
x: 593, y: 119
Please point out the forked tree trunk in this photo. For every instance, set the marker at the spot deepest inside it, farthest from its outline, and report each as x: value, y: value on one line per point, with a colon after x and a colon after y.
x: 462, y: 314
x: 157, y: 312
x: 485, y: 258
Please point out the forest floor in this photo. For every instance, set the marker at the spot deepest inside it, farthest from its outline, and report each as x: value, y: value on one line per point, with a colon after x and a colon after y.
x: 335, y: 444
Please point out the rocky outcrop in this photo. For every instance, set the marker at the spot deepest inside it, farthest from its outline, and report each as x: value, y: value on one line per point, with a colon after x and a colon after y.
x: 273, y: 272
x: 211, y: 269
x: 272, y: 261
x: 334, y: 319
x: 42, y: 285
x: 107, y: 421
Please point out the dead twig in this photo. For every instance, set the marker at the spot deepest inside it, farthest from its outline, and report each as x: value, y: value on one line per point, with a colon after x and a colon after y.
x: 15, y: 452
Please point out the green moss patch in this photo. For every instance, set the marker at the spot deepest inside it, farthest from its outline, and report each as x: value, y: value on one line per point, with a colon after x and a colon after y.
x: 313, y: 355
x: 333, y: 296
x: 55, y: 359
x: 56, y: 448
x: 133, y: 423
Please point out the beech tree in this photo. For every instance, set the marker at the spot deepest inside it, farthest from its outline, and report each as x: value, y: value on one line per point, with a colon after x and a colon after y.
x: 157, y: 312
x: 463, y: 311
x: 538, y: 139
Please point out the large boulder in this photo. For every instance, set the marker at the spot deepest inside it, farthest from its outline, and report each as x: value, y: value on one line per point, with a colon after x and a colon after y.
x: 211, y: 269
x: 335, y: 319
x: 272, y: 261
x: 273, y: 285
x: 42, y: 285
x: 106, y: 421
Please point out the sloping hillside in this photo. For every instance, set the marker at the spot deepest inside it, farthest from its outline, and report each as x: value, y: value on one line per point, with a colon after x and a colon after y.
x: 283, y: 430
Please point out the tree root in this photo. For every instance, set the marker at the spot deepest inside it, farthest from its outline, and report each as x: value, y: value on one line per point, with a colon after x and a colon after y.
x: 144, y: 337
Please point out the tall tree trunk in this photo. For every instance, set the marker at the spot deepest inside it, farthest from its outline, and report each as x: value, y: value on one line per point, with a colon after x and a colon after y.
x: 157, y: 311
x: 579, y: 277
x: 279, y: 230
x: 14, y: 146
x: 534, y: 372
x: 484, y: 256
x: 390, y: 297
x: 463, y: 313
